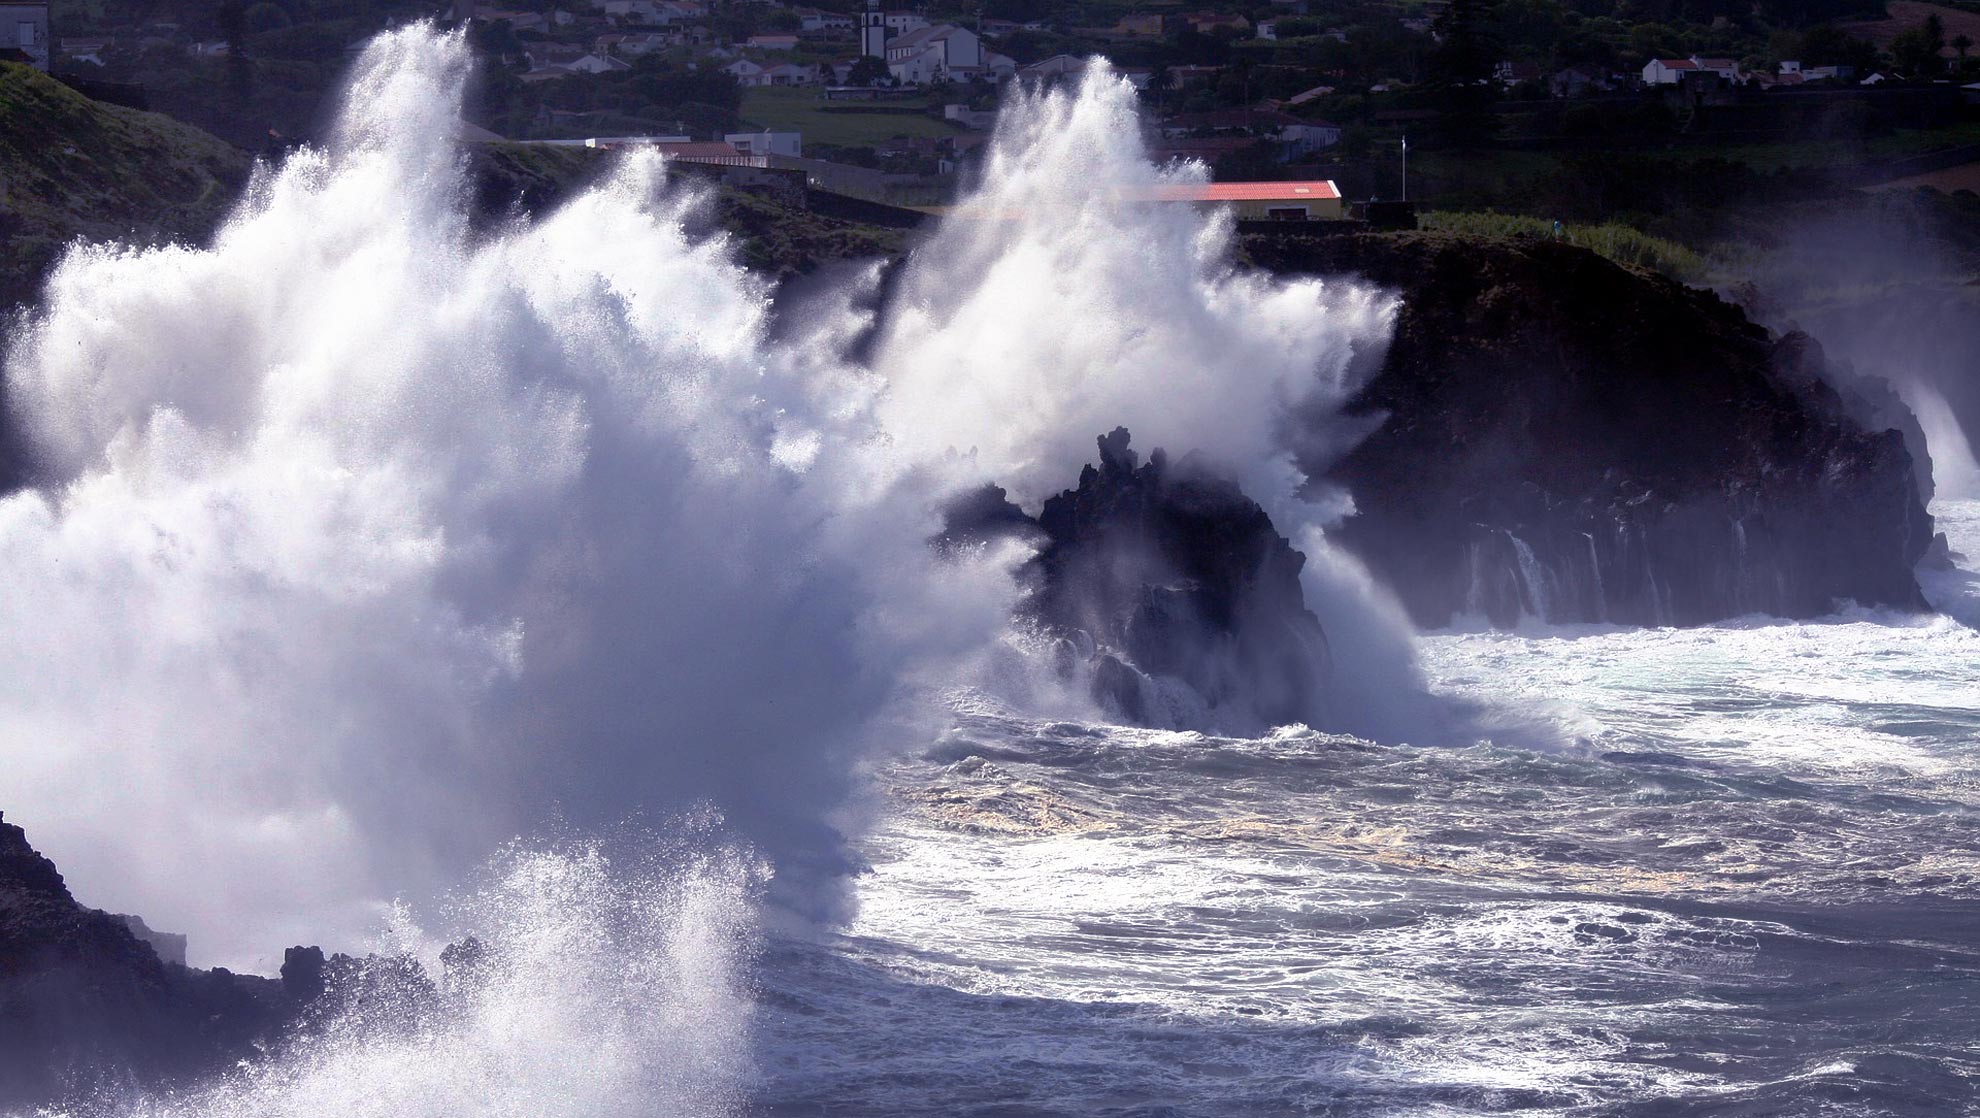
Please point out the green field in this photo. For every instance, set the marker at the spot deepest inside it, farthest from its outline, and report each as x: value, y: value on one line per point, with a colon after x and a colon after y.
x: 1620, y: 243
x: 803, y: 110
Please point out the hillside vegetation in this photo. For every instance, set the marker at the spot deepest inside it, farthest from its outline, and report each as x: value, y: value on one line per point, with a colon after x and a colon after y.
x: 71, y: 167
x: 1619, y: 243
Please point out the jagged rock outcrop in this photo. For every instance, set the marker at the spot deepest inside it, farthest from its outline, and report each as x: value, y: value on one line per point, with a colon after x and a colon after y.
x: 85, y: 1004
x: 1574, y: 440
x: 88, y: 1006
x: 1162, y: 574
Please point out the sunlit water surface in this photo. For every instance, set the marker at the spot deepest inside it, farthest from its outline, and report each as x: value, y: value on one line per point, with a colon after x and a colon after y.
x: 1747, y: 885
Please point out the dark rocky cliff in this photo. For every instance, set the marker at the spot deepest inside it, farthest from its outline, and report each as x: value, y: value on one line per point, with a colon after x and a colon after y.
x: 1570, y: 439
x: 1161, y: 574
x: 86, y: 1005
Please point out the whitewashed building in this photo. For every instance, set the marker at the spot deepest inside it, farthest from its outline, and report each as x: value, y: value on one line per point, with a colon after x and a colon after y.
x: 767, y: 143
x: 931, y: 54
x: 1667, y: 71
x: 24, y: 27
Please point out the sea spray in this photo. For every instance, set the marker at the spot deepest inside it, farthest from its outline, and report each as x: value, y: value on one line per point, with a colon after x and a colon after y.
x: 596, y: 987
x: 367, y: 542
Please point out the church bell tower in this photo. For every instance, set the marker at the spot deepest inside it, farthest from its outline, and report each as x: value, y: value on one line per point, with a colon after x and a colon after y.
x: 873, y: 32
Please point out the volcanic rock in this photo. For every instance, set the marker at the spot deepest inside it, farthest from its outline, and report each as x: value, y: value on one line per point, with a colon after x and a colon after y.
x: 1165, y: 573
x: 86, y: 1005
x: 1569, y: 439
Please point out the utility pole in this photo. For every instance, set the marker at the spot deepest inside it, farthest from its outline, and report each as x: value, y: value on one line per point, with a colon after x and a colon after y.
x: 1405, y: 167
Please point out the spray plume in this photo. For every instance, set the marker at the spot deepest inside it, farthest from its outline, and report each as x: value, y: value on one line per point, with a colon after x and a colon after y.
x: 364, y: 543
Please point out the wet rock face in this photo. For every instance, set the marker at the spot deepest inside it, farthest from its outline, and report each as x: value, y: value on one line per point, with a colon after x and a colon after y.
x: 1568, y: 439
x: 85, y: 1004
x: 1165, y: 573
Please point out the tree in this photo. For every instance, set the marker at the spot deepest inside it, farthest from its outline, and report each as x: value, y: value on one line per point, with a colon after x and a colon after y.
x: 1916, y: 51
x: 1159, y: 83
x: 869, y: 71
x: 232, y: 18
x: 1462, y: 69
x: 1962, y: 44
x: 1469, y: 47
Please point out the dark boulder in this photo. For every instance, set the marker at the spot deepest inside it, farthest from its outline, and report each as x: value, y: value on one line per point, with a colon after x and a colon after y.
x: 1567, y: 438
x: 1162, y: 574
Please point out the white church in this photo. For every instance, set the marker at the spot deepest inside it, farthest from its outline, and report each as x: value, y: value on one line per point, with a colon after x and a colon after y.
x: 918, y: 53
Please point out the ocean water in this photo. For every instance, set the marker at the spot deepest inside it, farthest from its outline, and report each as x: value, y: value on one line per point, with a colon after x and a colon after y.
x: 603, y: 546
x: 1730, y: 870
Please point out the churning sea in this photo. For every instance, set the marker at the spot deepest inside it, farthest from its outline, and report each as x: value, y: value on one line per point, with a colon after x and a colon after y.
x: 1728, y: 871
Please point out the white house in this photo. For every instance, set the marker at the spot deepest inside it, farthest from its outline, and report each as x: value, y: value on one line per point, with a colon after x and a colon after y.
x: 1670, y: 71
x: 645, y: 42
x: 1667, y: 71
x: 1295, y: 132
x: 790, y: 73
x: 1310, y: 136
x: 1726, y: 68
x: 597, y: 64
x: 24, y: 27
x: 767, y: 143
x: 900, y: 23
x: 747, y: 74
x: 812, y: 19
x: 930, y: 54
x: 85, y: 50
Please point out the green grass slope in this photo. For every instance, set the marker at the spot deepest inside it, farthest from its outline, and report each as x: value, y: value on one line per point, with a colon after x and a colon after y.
x: 75, y: 168
x: 71, y: 167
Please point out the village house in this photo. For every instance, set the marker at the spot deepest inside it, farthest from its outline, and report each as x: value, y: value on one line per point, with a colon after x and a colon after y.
x: 773, y: 41
x: 85, y: 50
x: 1580, y: 81
x: 1667, y: 71
x: 597, y: 64
x: 1204, y: 23
x: 24, y: 28
x: 1512, y: 73
x: 636, y: 43
x: 1671, y: 71
x: 748, y: 74
x: 1297, y: 136
x: 767, y: 143
x: 931, y: 54
x: 790, y: 73
x: 813, y: 20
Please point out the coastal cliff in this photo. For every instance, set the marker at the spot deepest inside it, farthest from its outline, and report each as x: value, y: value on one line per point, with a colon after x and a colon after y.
x: 87, y: 1005
x: 1571, y: 440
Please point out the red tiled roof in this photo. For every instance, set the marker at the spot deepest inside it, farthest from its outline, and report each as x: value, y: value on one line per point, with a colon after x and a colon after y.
x: 1678, y: 63
x: 1239, y: 192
